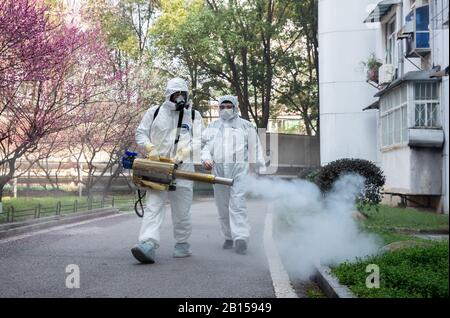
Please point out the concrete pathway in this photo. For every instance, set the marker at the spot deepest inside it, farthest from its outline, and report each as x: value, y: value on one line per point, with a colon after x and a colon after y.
x: 35, y: 266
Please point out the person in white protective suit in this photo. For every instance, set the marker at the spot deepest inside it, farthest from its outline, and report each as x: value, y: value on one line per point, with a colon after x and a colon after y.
x: 230, y: 144
x: 157, y: 134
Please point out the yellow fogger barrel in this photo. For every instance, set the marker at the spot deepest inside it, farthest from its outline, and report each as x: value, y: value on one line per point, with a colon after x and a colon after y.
x: 161, y: 174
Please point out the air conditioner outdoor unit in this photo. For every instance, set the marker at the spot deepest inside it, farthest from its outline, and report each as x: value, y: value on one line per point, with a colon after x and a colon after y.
x: 386, y: 73
x: 417, y: 27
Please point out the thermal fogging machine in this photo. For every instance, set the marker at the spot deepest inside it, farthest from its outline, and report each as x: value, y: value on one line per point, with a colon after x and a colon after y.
x: 162, y: 174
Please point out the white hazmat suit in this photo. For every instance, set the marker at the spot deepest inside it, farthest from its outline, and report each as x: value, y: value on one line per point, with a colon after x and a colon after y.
x: 160, y: 132
x: 232, y: 143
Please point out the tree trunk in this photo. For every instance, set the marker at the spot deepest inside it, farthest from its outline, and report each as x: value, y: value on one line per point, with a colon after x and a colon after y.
x: 6, y: 177
x: 111, y: 179
x: 2, y: 186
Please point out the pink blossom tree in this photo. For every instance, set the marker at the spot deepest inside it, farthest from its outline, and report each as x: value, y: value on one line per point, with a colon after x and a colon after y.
x: 100, y: 142
x: 40, y: 89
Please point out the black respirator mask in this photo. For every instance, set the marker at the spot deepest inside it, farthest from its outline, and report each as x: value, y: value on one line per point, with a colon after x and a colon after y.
x: 180, y: 101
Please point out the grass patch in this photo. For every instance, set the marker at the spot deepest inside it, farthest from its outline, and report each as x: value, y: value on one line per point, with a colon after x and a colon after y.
x: 313, y: 291
x: 24, y: 207
x: 125, y: 203
x: 412, y: 272
x: 404, y: 218
x: 417, y: 272
x: 23, y: 203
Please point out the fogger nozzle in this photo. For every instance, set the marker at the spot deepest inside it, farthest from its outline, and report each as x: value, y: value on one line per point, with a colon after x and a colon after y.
x: 203, y: 177
x: 225, y: 181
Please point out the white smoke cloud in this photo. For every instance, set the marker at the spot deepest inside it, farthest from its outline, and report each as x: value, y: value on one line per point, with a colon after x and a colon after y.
x: 312, y: 228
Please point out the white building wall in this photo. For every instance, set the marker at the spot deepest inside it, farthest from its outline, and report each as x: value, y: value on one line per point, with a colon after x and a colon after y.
x: 439, y: 40
x: 396, y: 167
x: 346, y: 131
x: 445, y: 168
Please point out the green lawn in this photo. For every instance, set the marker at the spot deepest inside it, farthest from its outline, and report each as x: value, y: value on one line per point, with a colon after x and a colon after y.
x: 418, y: 271
x: 125, y: 203
x: 392, y: 224
x: 22, y: 203
x: 404, y: 218
x: 24, y: 207
x: 415, y: 272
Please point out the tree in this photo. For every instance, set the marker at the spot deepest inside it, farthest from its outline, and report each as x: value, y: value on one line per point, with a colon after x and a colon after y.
x: 298, y: 75
x: 100, y: 142
x: 40, y: 90
x: 246, y: 46
x: 175, y: 58
x: 49, y: 158
x: 125, y: 24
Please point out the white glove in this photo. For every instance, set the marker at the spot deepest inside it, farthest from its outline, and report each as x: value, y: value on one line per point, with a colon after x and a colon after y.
x: 151, y: 152
x: 183, y: 154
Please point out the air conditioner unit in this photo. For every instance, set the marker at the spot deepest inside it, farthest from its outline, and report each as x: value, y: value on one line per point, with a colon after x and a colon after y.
x: 386, y: 73
x: 417, y: 27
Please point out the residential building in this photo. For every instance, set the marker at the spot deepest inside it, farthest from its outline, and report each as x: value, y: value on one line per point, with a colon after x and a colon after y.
x: 344, y: 43
x: 410, y: 46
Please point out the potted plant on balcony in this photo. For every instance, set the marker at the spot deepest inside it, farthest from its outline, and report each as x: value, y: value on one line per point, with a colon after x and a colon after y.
x: 372, y: 65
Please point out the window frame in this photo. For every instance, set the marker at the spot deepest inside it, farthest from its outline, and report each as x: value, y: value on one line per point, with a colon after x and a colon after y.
x: 391, y: 41
x: 439, y: 14
x: 428, y: 102
x: 426, y: 31
x: 404, y: 107
x: 388, y: 121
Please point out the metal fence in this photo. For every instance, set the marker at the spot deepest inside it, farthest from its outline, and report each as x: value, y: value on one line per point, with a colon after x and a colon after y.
x: 11, y: 214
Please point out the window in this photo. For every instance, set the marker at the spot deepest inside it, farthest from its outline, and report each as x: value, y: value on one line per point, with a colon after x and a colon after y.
x: 394, y: 117
x: 439, y: 14
x: 422, y: 27
x: 423, y: 106
x: 391, y: 57
x: 418, y: 24
x: 426, y: 105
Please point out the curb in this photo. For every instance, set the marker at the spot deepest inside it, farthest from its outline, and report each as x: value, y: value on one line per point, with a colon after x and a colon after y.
x: 280, y: 279
x: 281, y: 282
x: 17, y: 228
x: 330, y: 284
x: 420, y: 231
x: 402, y: 230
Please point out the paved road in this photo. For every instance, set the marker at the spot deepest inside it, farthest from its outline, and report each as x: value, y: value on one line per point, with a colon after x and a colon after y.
x: 35, y: 266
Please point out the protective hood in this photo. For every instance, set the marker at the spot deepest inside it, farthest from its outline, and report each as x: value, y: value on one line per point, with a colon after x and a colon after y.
x: 228, y: 114
x: 176, y: 85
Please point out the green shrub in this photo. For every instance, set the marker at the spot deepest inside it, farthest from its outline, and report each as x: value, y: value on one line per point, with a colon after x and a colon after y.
x: 309, y: 173
x: 419, y: 272
x: 373, y: 177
